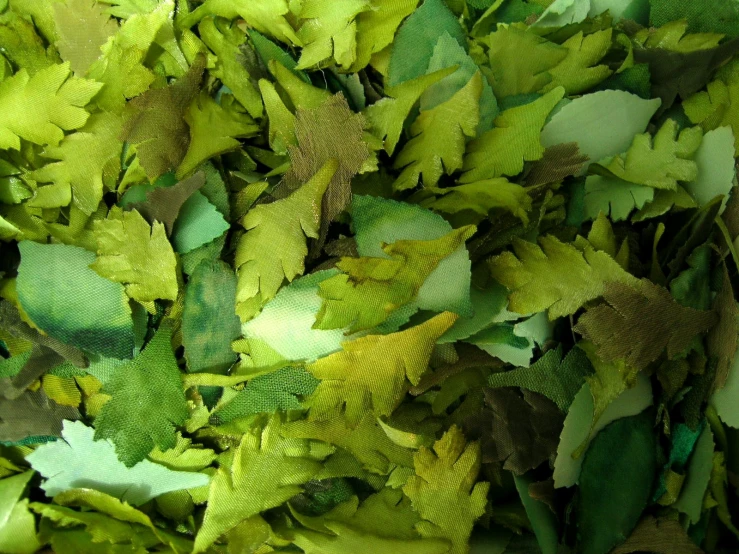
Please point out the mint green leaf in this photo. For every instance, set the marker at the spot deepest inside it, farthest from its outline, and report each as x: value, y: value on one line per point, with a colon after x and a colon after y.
x: 198, y: 223
x: 715, y: 161
x: 68, y: 300
x: 614, y: 197
x: 79, y: 461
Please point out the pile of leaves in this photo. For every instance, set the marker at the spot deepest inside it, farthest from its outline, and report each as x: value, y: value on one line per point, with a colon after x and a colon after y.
x: 369, y: 276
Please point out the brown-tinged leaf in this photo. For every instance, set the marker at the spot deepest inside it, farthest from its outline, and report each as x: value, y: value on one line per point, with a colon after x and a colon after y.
x: 32, y: 414
x: 559, y: 161
x: 524, y: 430
x: 722, y: 339
x: 659, y: 535
x: 163, y: 203
x: 469, y: 356
x: 83, y: 28
x: 682, y: 73
x: 42, y: 359
x: 330, y: 131
x: 155, y: 122
x: 637, y: 324
x: 10, y: 321
x: 543, y: 491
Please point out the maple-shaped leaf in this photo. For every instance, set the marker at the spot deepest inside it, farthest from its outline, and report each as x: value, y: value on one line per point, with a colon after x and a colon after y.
x: 89, y: 161
x: 557, y: 162
x: 138, y: 255
x: 83, y: 28
x: 556, y: 276
x: 268, y: 16
x: 367, y: 441
x: 576, y: 72
x: 373, y: 373
x: 480, y: 197
x: 154, y: 122
x: 621, y: 329
x: 370, y: 289
x: 238, y: 492
x: 79, y: 461
x: 520, y: 61
x: 22, y: 42
x: 716, y: 107
x: 40, y: 108
x: 280, y: 390
x: 522, y: 431
x: 213, y: 131
x: 285, y: 222
x: 329, y: 31
x: 513, y: 140
x: 660, y: 162
x: 444, y: 490
x: 147, y: 402
x: 387, y: 116
x: 438, y: 138
x: 614, y: 197
x: 32, y: 414
x: 226, y: 42
x: 557, y: 378
x: 330, y: 131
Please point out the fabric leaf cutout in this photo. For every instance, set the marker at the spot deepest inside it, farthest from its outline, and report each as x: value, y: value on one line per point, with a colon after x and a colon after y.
x: 389, y: 284
x: 513, y: 139
x: 147, y: 402
x: 286, y: 222
x: 262, y: 456
x: 79, y: 461
x: 613, y: 326
x: 17, y: 524
x: 33, y: 414
x: 659, y: 163
x: 127, y: 248
x: 614, y: 197
x: 83, y: 28
x: 566, y: 277
x: 353, y: 380
x: 443, y: 490
x: 578, y: 72
x: 40, y: 108
x: 438, y: 138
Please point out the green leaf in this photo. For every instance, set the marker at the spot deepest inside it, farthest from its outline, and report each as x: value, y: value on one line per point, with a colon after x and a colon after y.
x: 88, y: 161
x: 285, y: 222
x: 369, y: 289
x: 40, y: 108
x: 520, y: 61
x: 83, y: 28
x: 137, y: 255
x: 557, y: 378
x: 513, y: 140
x: 444, y: 491
x: 715, y: 15
x: 198, y: 223
x: 377, y: 26
x: 17, y: 524
x: 124, y: 9
x: 610, y: 508
x: 438, y: 138
x: 583, y: 119
x: 660, y: 162
x: 147, y: 402
x: 207, y: 331
x: 377, y: 221
x: 480, y: 197
x: 213, y: 131
x: 563, y: 12
x: 280, y: 390
x: 715, y: 161
x: 329, y: 31
x: 226, y: 41
x: 80, y: 461
x: 716, y: 107
x: 237, y: 492
x: 415, y: 41
x: 694, y: 488
x: 576, y: 72
x: 69, y: 301
x: 556, y: 276
x: 353, y: 381
x: 387, y: 116
x: 620, y: 331
x: 614, y: 197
